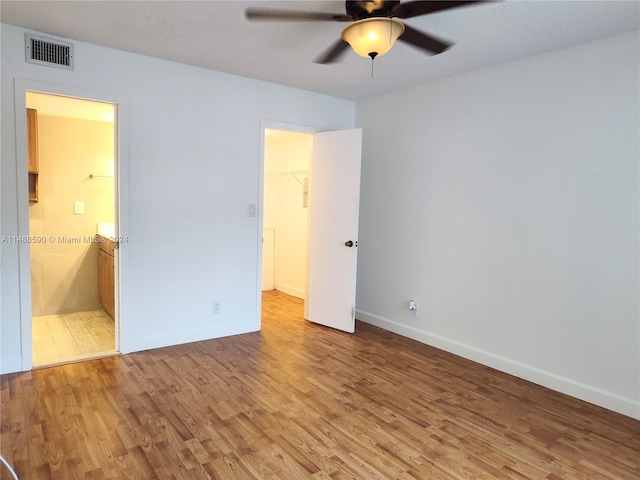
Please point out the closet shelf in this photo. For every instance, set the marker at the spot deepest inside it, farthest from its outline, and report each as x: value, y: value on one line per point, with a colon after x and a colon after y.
x: 294, y: 174
x: 289, y: 172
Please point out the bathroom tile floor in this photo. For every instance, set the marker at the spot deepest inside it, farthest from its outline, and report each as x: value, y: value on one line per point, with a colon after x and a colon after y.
x: 72, y: 336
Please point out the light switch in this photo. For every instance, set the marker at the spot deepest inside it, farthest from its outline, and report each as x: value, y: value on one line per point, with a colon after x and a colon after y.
x: 78, y: 207
x: 251, y: 210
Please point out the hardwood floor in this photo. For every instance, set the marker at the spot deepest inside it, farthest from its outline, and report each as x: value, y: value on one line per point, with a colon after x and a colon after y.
x: 300, y: 401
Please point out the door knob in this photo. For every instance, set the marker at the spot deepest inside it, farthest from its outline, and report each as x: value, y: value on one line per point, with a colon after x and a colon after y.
x: 348, y: 244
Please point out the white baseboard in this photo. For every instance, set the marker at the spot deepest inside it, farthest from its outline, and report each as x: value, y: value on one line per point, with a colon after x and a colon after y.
x: 588, y: 393
x: 11, y: 365
x: 161, y: 340
x: 289, y: 290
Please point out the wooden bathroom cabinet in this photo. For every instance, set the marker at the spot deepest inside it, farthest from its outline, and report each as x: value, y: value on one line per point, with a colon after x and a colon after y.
x: 32, y: 153
x: 106, y: 274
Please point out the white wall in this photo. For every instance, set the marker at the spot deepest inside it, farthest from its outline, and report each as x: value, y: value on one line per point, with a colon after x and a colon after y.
x: 505, y: 201
x: 287, y: 159
x: 193, y: 167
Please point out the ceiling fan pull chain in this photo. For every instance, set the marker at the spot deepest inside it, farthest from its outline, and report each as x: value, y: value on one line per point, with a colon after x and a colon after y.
x: 373, y: 55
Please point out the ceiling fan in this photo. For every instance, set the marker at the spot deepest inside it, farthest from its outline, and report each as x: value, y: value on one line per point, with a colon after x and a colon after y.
x: 372, y: 29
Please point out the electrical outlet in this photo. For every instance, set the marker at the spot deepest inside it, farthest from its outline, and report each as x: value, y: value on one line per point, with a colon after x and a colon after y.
x: 413, y: 308
x: 217, y: 306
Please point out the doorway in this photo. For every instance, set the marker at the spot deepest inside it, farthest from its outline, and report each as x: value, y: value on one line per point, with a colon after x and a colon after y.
x: 287, y: 159
x: 328, y: 252
x: 72, y: 227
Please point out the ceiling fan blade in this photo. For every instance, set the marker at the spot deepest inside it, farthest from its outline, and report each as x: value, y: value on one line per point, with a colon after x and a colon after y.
x: 416, y: 8
x: 332, y: 54
x: 259, y: 14
x: 424, y: 41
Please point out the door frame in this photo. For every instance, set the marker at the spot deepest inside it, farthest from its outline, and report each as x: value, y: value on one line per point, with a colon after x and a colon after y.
x: 275, y: 125
x: 121, y: 175
x: 272, y: 233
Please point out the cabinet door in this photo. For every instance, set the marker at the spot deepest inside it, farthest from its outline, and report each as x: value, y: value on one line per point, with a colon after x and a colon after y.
x: 111, y: 289
x: 105, y: 281
x: 32, y: 140
x: 102, y: 277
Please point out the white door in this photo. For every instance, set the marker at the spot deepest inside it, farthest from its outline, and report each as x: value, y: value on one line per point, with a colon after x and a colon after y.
x: 268, y: 258
x: 334, y: 197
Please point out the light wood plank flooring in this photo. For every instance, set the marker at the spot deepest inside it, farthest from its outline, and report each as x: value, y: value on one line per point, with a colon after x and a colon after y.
x: 301, y: 401
x: 71, y: 336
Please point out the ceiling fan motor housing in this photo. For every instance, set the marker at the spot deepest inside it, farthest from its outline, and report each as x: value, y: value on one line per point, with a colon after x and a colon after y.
x: 361, y: 9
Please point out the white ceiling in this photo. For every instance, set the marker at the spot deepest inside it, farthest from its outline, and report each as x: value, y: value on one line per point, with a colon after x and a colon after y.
x: 216, y: 35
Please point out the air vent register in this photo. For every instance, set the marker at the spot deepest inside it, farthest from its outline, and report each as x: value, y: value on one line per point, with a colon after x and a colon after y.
x: 47, y: 51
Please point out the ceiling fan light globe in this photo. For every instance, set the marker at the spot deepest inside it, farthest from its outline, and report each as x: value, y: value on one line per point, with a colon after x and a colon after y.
x: 372, y: 35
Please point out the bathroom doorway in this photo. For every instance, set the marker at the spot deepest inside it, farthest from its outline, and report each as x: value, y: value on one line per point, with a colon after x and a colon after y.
x: 287, y: 159
x: 72, y: 227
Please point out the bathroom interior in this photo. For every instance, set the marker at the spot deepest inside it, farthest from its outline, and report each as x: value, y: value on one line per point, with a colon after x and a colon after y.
x: 72, y: 198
